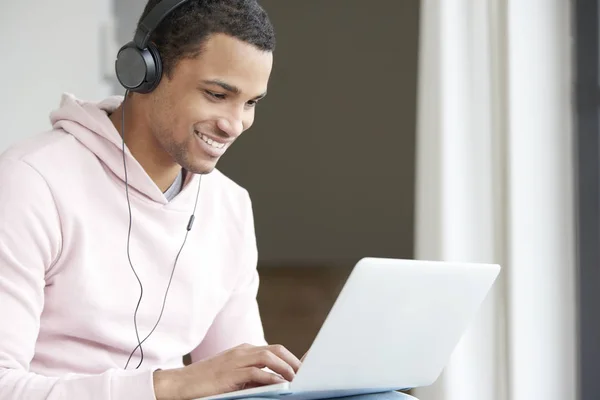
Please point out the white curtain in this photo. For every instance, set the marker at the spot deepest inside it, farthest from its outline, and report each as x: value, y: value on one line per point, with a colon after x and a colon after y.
x: 494, y: 184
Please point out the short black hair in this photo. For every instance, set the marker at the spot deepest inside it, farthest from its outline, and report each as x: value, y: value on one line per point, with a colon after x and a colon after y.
x: 182, y: 33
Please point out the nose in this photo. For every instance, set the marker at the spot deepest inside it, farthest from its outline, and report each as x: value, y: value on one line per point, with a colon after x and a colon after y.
x: 233, y: 127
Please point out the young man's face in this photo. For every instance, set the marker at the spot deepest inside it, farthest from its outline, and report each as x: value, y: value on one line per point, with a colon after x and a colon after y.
x: 209, y: 101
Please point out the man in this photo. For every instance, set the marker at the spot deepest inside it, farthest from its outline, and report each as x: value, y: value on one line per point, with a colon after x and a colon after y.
x: 105, y: 280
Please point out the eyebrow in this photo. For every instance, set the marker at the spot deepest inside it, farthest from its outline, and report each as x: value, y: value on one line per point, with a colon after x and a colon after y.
x: 230, y: 88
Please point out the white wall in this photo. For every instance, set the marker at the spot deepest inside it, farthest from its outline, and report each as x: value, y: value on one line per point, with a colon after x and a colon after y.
x: 47, y: 48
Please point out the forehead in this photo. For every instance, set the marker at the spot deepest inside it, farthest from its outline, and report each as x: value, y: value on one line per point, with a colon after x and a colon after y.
x: 230, y: 60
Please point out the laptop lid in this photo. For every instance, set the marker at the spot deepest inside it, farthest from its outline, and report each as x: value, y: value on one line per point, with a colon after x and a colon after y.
x: 395, y: 324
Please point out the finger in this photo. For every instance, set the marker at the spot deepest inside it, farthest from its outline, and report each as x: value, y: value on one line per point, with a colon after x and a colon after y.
x: 234, y: 354
x: 263, y: 357
x: 286, y: 356
x: 244, y: 346
x: 252, y: 377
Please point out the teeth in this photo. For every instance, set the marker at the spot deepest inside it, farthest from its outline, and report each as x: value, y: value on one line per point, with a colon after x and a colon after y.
x: 211, y: 142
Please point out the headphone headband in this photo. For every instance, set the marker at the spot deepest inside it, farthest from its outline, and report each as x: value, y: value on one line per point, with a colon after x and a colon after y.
x: 138, y: 65
x: 154, y: 17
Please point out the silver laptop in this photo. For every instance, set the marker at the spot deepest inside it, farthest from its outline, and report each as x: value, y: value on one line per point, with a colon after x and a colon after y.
x: 393, y: 326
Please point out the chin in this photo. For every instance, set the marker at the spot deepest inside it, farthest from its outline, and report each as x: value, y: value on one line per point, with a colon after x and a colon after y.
x: 197, y: 161
x: 203, y: 168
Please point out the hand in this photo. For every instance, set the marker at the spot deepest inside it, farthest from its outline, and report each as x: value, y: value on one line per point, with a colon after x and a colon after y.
x: 226, y: 372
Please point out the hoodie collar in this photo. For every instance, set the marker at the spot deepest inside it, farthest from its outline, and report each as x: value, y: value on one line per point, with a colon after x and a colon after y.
x: 89, y: 123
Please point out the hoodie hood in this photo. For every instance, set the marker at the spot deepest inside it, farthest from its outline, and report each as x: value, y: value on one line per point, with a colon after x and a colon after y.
x: 89, y: 123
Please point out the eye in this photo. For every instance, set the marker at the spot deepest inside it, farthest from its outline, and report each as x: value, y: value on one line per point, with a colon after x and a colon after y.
x: 217, y: 96
x: 252, y: 103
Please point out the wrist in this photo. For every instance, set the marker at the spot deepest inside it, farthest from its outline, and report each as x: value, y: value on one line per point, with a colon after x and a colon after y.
x: 165, y: 385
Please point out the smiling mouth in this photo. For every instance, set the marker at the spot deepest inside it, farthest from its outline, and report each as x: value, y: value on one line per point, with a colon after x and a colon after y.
x: 209, y: 141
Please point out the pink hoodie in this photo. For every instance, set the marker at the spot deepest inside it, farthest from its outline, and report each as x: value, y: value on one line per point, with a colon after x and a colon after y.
x: 67, y: 291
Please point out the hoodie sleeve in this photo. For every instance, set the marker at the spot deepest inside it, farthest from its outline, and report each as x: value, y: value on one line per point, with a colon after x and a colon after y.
x: 30, y: 242
x: 239, y: 321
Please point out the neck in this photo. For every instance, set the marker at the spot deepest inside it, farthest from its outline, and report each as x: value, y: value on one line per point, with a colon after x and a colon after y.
x: 144, y: 147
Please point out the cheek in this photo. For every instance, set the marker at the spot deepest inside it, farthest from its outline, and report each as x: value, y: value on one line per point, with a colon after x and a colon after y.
x: 190, y: 118
x: 199, y: 112
x: 248, y: 120
x: 180, y: 127
x: 172, y: 122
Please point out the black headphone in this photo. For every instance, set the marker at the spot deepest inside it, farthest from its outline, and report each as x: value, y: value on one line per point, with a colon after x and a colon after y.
x: 139, y: 69
x: 138, y: 65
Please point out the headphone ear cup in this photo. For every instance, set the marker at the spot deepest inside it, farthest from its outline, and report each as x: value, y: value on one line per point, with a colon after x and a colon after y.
x: 130, y: 67
x: 154, y: 69
x: 138, y: 70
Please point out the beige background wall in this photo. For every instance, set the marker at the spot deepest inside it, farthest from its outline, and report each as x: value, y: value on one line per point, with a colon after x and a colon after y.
x: 330, y: 160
